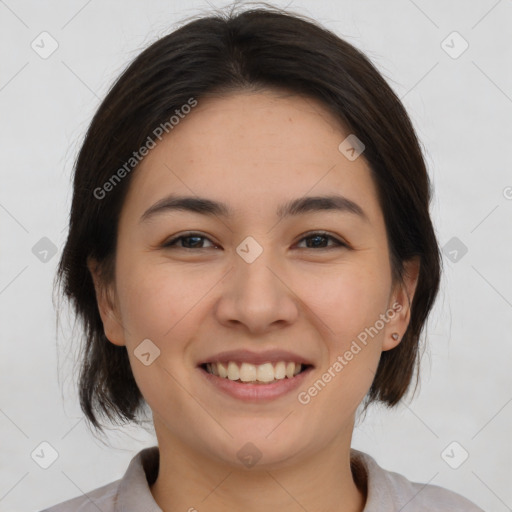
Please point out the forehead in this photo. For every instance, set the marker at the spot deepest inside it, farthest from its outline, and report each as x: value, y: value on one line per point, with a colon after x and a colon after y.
x: 253, y: 150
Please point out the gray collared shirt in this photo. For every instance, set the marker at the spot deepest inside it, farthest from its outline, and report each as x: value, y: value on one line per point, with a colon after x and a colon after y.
x: 386, y: 490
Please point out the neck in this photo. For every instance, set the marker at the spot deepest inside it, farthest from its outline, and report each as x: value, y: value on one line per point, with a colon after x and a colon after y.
x: 323, y: 481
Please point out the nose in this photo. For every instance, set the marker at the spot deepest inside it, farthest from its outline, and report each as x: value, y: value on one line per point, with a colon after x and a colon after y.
x: 256, y: 297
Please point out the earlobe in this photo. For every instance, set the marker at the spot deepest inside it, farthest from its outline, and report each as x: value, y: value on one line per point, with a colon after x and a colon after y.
x: 401, y: 301
x: 105, y: 299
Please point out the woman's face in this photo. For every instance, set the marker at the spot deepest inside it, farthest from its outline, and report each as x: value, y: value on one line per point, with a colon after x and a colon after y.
x: 255, y: 277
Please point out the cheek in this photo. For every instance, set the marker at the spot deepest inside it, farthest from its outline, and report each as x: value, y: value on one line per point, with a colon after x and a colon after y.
x: 153, y: 298
x: 346, y: 298
x: 348, y: 303
x: 155, y: 304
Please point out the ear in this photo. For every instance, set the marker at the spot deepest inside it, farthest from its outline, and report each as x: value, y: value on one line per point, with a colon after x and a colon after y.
x: 106, y: 300
x: 400, y: 303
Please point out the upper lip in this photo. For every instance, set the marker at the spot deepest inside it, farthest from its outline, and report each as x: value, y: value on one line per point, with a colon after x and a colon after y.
x: 256, y: 358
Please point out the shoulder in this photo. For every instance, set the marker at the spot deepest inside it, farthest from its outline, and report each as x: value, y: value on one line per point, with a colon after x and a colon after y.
x: 396, y: 491
x: 427, y: 497
x: 131, y: 492
x: 103, y: 498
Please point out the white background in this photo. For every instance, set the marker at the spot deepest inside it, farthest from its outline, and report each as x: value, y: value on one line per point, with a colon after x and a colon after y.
x: 462, y: 110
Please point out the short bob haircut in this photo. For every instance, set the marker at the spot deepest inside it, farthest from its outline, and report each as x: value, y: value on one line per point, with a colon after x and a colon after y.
x: 258, y: 49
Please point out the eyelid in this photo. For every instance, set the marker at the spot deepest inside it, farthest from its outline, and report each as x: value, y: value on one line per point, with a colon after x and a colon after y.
x: 339, y: 242
x: 172, y: 241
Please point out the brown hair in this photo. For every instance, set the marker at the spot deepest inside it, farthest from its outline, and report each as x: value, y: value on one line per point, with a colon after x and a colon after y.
x: 256, y: 49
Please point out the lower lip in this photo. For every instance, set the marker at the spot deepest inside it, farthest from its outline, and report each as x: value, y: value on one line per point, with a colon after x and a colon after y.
x: 256, y: 392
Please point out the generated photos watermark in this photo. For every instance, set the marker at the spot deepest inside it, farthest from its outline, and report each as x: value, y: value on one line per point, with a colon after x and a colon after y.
x: 304, y: 397
x: 149, y: 144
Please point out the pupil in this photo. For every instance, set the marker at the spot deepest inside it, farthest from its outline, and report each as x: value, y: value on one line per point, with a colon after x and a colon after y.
x: 316, y: 237
x: 197, y: 238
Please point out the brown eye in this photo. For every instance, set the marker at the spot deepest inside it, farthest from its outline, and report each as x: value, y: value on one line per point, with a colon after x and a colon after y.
x: 318, y: 240
x: 189, y: 241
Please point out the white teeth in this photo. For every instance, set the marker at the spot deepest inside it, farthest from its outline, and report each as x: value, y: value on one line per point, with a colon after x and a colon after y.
x: 265, y: 372
x: 280, y: 370
x: 247, y: 372
x: 223, y: 371
x: 233, y: 372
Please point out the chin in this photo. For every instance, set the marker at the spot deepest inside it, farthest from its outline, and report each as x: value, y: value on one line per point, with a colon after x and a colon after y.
x: 249, y: 448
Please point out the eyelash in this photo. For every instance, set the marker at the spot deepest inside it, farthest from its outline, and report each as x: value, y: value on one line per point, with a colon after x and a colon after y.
x: 172, y: 243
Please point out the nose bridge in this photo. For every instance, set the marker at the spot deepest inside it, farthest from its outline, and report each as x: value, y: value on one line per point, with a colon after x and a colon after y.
x: 254, y: 277
x: 256, y: 294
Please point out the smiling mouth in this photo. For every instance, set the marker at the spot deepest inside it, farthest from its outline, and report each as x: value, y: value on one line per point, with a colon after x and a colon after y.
x: 248, y: 373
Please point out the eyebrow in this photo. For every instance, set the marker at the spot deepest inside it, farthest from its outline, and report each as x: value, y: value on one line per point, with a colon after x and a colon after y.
x: 294, y: 207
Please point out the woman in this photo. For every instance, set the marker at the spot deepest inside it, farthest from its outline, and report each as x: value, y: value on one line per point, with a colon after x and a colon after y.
x: 251, y: 254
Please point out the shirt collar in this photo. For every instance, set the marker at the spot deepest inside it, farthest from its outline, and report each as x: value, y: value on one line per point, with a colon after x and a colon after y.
x: 134, y: 488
